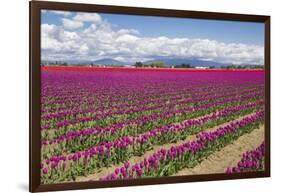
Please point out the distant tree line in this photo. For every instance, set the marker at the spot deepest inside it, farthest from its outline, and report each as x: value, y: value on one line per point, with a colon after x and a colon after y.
x: 183, y: 66
x: 58, y: 63
x: 152, y: 65
x: 243, y: 67
x: 159, y: 64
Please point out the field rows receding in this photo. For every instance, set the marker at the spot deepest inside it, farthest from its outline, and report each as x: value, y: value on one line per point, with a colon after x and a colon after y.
x: 142, y: 112
x: 228, y: 156
x: 127, y: 102
x: 93, y: 122
x: 169, y: 161
x: 130, y: 108
x: 137, y: 91
x: 146, y: 113
x: 90, y: 99
x: 91, y: 138
x: 106, y: 135
x: 219, y: 161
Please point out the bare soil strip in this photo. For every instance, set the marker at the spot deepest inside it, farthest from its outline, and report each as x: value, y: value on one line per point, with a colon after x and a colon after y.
x: 136, y: 159
x: 219, y: 161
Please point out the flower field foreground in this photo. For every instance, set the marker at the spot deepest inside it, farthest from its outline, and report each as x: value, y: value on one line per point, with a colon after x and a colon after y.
x: 108, y: 123
x: 250, y: 161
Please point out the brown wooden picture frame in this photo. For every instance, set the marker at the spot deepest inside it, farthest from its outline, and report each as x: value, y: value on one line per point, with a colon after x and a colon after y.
x: 34, y: 99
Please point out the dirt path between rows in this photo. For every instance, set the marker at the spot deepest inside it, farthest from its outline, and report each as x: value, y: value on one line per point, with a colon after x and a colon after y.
x: 136, y: 159
x: 228, y: 156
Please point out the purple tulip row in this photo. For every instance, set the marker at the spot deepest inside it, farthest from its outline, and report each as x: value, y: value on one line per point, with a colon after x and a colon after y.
x: 118, y: 106
x: 154, y: 164
x: 119, y: 126
x: 64, y: 89
x: 65, y: 84
x: 101, y: 104
x: 94, y: 94
x: 177, y: 127
x: 162, y: 97
x: 80, y: 149
x: 150, y: 164
x: 69, y: 92
x: 99, y: 108
x: 126, y: 141
x: 251, y: 161
x: 173, y: 129
x: 86, y: 132
x: 71, y: 135
x: 98, y: 116
x: 92, y: 100
x: 69, y: 107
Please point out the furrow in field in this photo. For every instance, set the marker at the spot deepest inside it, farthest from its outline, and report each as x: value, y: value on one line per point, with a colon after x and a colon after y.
x: 90, y: 137
x: 219, y: 161
x: 87, y: 139
x: 137, y: 159
x: 251, y: 160
x: 94, y: 122
x: 169, y: 161
x: 134, y: 159
x: 155, y: 132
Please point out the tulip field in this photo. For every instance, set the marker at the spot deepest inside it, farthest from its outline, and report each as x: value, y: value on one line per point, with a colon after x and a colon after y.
x: 121, y: 123
x: 251, y: 161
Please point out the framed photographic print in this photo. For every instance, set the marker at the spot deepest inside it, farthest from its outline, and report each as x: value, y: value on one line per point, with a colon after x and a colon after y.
x: 123, y: 96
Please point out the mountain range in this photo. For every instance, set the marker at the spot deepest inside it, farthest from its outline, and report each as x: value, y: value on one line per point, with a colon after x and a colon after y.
x: 168, y: 61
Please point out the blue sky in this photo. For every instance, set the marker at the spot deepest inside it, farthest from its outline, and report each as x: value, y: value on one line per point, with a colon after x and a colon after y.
x: 220, y: 35
x: 225, y: 31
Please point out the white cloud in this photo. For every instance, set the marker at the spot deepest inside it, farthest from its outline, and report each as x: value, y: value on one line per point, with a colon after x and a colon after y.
x: 70, y: 35
x: 127, y: 31
x: 127, y: 38
x: 88, y: 17
x: 71, y: 24
x: 47, y: 28
x: 49, y: 40
x: 83, y: 50
x: 100, y: 40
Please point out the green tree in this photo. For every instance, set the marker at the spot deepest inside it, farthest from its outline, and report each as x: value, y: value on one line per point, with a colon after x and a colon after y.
x: 139, y: 64
x: 183, y: 66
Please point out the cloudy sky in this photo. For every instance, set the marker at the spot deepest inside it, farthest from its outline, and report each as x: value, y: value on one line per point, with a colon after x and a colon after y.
x: 91, y: 36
